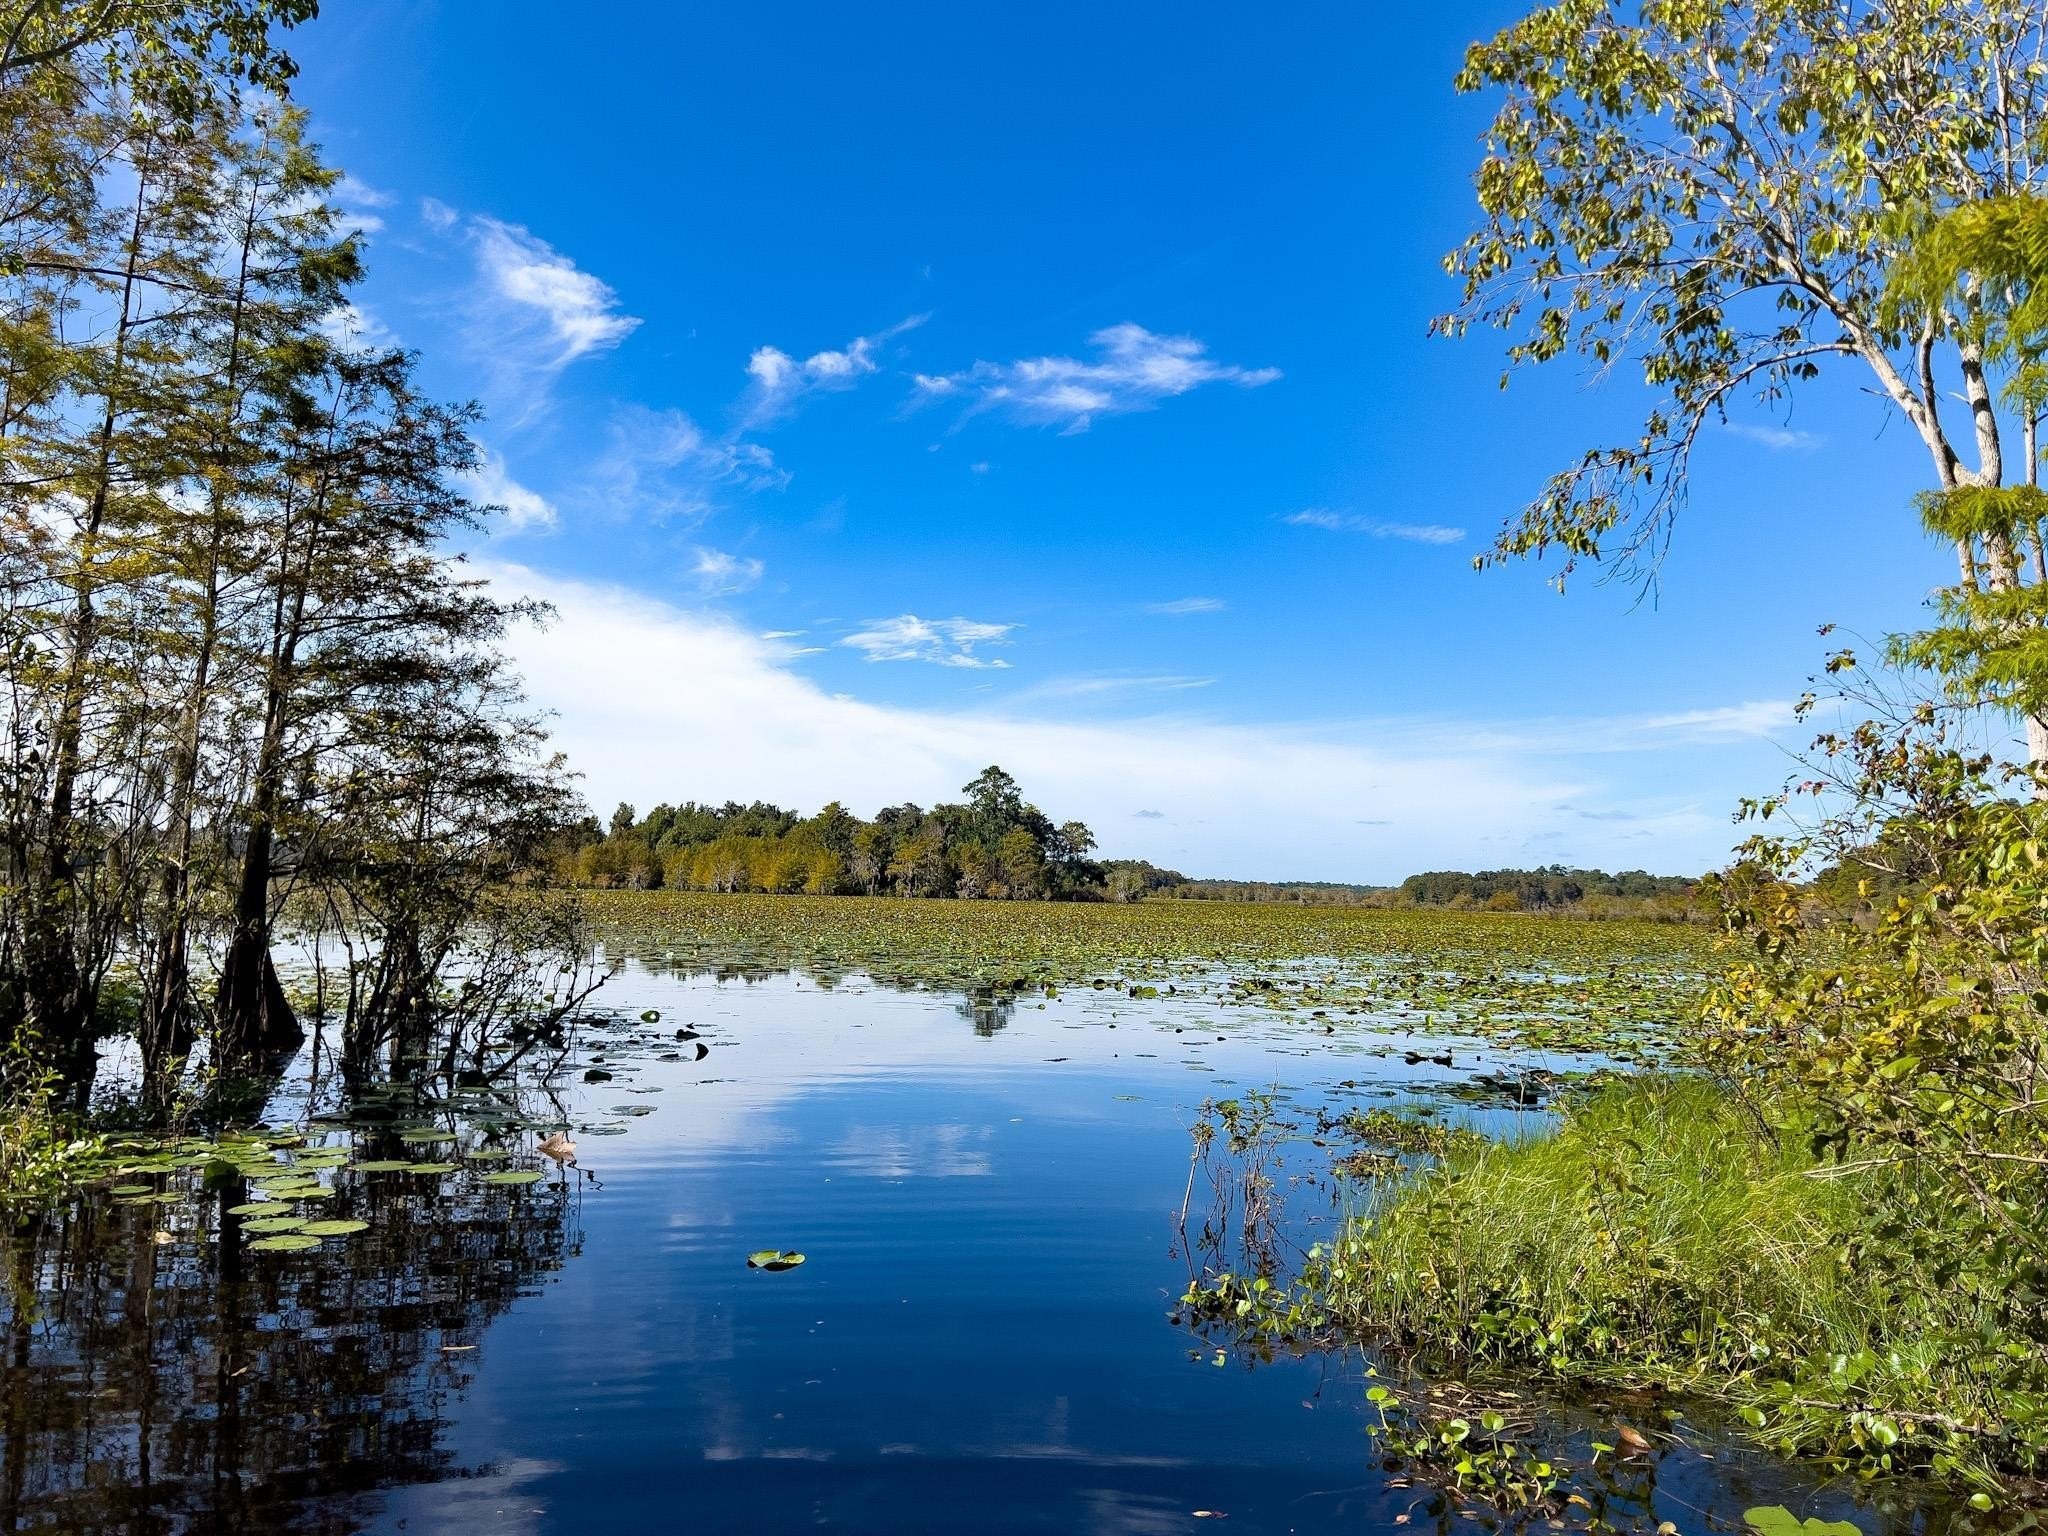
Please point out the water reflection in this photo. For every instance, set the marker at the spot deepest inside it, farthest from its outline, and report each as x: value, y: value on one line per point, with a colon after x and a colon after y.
x: 160, y: 1380
x: 993, y: 1192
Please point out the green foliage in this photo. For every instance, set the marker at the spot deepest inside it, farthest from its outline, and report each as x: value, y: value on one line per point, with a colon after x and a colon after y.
x: 235, y: 642
x: 1710, y: 191
x: 996, y: 846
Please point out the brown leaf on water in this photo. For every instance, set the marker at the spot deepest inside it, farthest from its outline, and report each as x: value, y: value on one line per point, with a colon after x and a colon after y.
x: 1631, y: 1440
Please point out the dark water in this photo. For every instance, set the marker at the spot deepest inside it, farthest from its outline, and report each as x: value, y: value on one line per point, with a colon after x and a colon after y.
x: 981, y: 1339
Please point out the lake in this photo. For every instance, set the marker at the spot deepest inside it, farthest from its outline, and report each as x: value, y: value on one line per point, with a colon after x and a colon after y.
x: 994, y: 1201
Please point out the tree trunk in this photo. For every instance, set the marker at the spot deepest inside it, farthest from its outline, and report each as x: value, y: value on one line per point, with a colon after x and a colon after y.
x: 255, y: 1018
x: 2037, y: 753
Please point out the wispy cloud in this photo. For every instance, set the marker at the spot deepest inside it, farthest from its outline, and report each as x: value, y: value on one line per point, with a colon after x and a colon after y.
x: 1111, y: 685
x: 437, y: 215
x: 660, y: 466
x: 1779, y: 439
x: 353, y: 201
x: 519, y: 509
x: 719, y: 572
x: 356, y: 325
x: 777, y: 379
x: 1760, y: 717
x: 1133, y: 370
x: 1149, y: 815
x: 943, y: 642
x: 1187, y: 605
x: 539, y: 290
x: 1373, y: 528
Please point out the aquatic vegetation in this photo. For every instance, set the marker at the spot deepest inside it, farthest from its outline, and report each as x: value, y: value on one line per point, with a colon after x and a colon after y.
x: 1619, y: 990
x: 774, y: 1259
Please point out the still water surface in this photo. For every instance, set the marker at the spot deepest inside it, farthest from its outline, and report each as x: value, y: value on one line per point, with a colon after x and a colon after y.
x: 981, y: 1339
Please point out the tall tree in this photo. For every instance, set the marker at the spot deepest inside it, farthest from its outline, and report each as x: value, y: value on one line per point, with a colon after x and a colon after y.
x: 1715, y: 191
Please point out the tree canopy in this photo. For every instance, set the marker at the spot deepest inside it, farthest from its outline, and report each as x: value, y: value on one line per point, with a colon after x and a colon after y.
x: 1714, y: 193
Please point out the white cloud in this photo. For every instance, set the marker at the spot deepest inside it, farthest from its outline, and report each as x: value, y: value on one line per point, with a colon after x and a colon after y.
x: 437, y: 215
x: 943, y: 642
x: 1187, y: 605
x: 1133, y: 370
x: 521, y: 510
x: 777, y: 378
x: 536, y: 286
x: 352, y: 199
x: 1778, y: 439
x: 1272, y: 801
x: 1346, y: 522
x: 718, y: 571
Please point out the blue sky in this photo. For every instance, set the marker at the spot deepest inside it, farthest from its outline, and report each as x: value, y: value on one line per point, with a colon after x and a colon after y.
x: 883, y: 391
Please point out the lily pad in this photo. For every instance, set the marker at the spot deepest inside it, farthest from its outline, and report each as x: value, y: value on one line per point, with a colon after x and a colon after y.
x: 270, y: 1225
x: 432, y: 1170
x: 424, y: 1135
x: 284, y: 1242
x: 774, y: 1259
x: 1777, y: 1520
x: 255, y: 1208
x: 333, y: 1228
x: 514, y: 1176
x: 384, y: 1165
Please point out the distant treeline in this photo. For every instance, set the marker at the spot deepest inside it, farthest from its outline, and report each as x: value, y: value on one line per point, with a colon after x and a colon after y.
x: 995, y: 846
x: 1533, y: 890
x: 1554, y: 889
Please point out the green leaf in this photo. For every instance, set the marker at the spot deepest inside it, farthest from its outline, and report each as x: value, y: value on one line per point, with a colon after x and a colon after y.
x: 1776, y: 1520
x: 284, y: 1242
x: 774, y: 1259
x: 515, y: 1176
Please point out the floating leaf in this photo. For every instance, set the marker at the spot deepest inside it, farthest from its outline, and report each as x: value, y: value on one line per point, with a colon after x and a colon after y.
x: 515, y: 1176
x: 271, y: 1224
x: 774, y: 1259
x: 384, y: 1165
x: 255, y: 1208
x: 423, y: 1135
x: 333, y: 1228
x: 433, y: 1170
x: 1776, y: 1520
x: 284, y: 1242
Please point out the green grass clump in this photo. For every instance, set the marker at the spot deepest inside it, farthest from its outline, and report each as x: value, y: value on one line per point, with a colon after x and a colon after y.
x: 1660, y: 1228
x: 1666, y: 1236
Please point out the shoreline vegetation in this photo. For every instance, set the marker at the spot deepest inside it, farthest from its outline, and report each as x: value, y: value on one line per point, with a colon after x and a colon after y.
x: 1824, y: 1211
